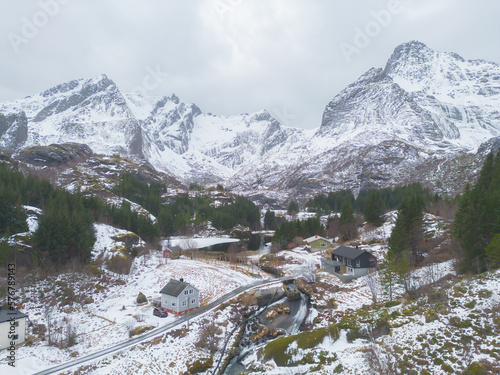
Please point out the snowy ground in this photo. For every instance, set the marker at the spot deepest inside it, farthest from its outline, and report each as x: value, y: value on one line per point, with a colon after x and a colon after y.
x: 112, y: 309
x: 469, y: 310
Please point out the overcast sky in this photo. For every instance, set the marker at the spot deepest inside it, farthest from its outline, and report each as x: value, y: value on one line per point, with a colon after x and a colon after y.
x: 290, y: 57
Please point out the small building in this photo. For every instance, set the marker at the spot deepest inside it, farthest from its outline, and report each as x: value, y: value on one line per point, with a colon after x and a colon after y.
x: 178, y: 297
x: 172, y: 252
x: 12, y: 328
x: 350, y: 261
x: 317, y: 243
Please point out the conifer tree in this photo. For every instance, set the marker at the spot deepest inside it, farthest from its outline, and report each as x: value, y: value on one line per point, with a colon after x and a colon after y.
x: 492, y: 252
x: 293, y: 208
x: 347, y: 221
x: 467, y: 228
x: 477, y: 220
x: 406, y: 236
x: 270, y: 220
x: 374, y: 208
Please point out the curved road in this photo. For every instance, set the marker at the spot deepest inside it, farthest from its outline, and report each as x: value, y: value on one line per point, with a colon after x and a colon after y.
x: 155, y: 332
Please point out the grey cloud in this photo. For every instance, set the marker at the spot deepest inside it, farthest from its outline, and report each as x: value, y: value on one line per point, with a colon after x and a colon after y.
x: 279, y: 55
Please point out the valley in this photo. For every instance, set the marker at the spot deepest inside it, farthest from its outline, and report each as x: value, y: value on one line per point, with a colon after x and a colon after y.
x: 367, y: 245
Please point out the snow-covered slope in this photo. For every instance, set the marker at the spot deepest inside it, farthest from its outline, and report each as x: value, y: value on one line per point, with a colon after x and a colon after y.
x: 428, y: 116
x: 415, y: 120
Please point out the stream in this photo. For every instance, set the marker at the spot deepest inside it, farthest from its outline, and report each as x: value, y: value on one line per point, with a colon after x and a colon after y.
x: 290, y: 323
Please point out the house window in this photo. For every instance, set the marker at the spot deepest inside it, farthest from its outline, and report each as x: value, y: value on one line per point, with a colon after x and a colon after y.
x: 358, y: 263
x: 190, y: 291
x: 173, y: 303
x: 323, y: 244
x: 14, y: 337
x: 184, y: 303
x: 193, y: 301
x: 16, y: 324
x: 186, y: 292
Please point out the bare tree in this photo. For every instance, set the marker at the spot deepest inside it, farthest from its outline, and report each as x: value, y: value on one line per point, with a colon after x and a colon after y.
x: 48, y: 311
x: 374, y: 286
x: 382, y: 359
x: 209, y: 336
x: 232, y: 251
x: 349, y: 230
x: 129, y: 325
x: 275, y: 248
x: 189, y: 246
x: 333, y: 227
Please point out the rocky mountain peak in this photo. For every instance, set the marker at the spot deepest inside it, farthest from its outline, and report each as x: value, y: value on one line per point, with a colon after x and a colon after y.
x: 411, y: 54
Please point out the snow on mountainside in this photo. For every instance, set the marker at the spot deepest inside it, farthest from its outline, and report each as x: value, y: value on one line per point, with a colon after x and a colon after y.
x: 465, y: 92
x: 91, y: 111
x: 421, y: 118
x: 428, y: 116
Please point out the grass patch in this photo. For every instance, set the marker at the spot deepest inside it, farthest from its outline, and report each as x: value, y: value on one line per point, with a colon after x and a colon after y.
x: 279, y: 349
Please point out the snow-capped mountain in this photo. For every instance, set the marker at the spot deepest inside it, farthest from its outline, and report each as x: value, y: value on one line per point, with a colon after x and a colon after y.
x: 173, y: 136
x: 421, y: 118
x: 427, y: 116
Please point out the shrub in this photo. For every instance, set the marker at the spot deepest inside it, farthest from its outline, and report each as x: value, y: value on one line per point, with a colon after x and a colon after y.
x: 471, y: 304
x: 446, y: 367
x: 430, y: 316
x: 139, y: 330
x: 485, y: 293
x: 457, y: 322
x: 339, y: 369
x: 438, y: 361
x: 459, y: 291
x: 475, y: 368
x: 348, y: 322
x: 200, y: 365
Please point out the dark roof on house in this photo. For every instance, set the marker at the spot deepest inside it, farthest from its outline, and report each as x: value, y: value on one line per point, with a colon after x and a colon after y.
x: 175, y: 288
x: 348, y: 252
x: 6, y: 315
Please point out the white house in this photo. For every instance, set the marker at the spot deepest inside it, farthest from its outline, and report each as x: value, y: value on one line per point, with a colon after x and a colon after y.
x: 178, y: 297
x: 12, y: 328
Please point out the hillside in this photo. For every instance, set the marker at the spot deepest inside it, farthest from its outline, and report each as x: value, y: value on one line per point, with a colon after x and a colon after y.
x: 448, y: 326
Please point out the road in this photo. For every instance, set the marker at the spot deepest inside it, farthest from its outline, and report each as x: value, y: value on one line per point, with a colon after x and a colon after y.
x: 157, y: 331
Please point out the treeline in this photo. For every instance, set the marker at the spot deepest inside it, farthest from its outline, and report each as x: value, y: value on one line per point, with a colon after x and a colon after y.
x: 289, y: 230
x: 477, y: 221
x: 187, y: 213
x: 476, y: 227
x: 148, y: 195
x: 65, y: 229
x: 387, y: 198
